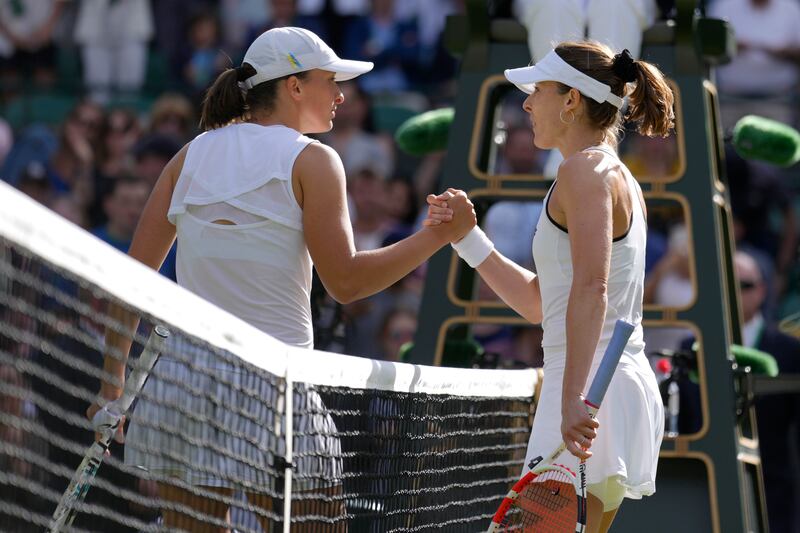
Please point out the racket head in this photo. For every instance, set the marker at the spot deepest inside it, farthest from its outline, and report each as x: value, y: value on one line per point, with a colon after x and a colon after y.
x: 551, y: 499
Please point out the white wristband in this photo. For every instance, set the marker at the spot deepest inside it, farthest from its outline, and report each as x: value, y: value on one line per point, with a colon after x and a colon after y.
x: 474, y: 248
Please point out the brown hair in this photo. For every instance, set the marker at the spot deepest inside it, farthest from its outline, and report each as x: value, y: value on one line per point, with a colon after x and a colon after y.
x: 650, y: 102
x: 226, y: 102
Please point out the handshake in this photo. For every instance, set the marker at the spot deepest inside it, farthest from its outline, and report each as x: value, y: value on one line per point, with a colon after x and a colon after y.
x: 452, y: 215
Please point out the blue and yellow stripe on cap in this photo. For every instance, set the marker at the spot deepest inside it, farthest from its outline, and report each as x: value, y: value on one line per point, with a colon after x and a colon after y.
x: 293, y: 60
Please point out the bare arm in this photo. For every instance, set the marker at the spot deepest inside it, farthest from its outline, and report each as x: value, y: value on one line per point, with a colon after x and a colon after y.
x: 516, y: 286
x: 346, y: 273
x: 151, y: 244
x: 586, y: 199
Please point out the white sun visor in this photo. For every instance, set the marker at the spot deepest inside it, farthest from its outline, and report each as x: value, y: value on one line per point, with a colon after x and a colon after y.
x: 553, y: 68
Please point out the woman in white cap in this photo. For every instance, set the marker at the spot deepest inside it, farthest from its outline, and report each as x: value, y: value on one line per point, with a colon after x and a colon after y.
x: 253, y: 202
x: 589, y: 253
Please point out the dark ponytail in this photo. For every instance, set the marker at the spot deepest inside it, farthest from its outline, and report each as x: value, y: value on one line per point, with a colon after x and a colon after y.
x: 226, y: 102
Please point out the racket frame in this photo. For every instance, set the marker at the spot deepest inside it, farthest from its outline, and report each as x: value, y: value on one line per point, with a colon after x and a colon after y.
x: 78, y: 487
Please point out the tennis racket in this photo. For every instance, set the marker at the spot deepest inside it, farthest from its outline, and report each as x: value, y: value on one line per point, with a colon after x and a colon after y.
x: 106, y: 421
x: 551, y: 498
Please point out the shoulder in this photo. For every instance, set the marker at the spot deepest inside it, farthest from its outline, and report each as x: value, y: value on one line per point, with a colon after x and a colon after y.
x: 585, y: 172
x: 318, y: 161
x: 317, y: 154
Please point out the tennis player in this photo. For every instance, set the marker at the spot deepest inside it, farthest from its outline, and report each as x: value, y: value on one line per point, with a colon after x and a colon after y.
x: 254, y: 202
x: 589, y: 253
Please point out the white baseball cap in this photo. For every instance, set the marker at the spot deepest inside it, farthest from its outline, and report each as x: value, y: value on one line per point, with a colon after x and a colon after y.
x: 280, y: 52
x: 553, y: 68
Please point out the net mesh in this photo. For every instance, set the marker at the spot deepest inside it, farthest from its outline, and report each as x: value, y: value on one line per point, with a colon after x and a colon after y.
x: 230, y: 421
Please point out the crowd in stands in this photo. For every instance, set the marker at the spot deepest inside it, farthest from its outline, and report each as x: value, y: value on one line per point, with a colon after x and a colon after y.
x: 97, y: 95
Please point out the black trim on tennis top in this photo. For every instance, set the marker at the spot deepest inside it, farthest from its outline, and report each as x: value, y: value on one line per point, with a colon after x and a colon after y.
x: 630, y: 225
x: 565, y: 230
x: 547, y: 209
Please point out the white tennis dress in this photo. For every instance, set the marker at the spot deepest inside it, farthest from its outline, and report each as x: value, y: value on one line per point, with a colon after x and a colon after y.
x: 625, y: 452
x: 223, y: 432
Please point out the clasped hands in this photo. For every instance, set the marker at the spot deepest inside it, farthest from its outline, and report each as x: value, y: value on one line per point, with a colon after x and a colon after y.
x: 450, y: 213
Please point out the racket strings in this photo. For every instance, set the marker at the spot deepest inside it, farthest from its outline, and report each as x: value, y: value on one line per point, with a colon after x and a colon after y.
x: 548, y: 505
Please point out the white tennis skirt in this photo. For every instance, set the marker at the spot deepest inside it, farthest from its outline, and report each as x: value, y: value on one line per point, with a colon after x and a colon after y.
x: 631, y: 421
x: 211, y: 423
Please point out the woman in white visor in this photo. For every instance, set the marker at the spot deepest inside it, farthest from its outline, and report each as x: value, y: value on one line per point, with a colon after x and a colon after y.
x: 589, y: 253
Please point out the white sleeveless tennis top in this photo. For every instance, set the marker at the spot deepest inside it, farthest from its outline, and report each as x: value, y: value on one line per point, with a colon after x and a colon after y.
x: 259, y: 268
x: 553, y: 260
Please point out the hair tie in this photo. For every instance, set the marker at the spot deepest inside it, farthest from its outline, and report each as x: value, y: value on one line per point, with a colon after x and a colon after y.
x: 625, y: 67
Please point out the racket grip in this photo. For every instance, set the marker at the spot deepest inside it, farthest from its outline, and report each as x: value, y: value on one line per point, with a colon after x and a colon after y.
x: 141, y: 368
x: 619, y: 339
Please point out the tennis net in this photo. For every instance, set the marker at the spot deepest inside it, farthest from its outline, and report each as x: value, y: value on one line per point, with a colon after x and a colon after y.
x: 232, y: 429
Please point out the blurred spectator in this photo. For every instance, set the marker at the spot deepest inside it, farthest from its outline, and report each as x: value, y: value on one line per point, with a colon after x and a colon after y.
x: 284, y: 13
x: 201, y: 58
x: 71, y: 168
x: 767, y: 68
x: 434, y: 63
x: 364, y: 319
x: 333, y: 17
x: 67, y: 207
x: 518, y: 154
x: 113, y: 35
x: 171, y: 22
x: 238, y: 17
x: 119, y: 136
x: 401, y: 209
x: 371, y: 225
x: 114, y: 158
x: 617, y: 23
x: 151, y: 155
x: 172, y: 114
x: 123, y: 206
x: 26, y: 41
x: 760, y: 197
x: 397, y: 329
x: 670, y: 284
x: 778, y: 416
x: 354, y: 136
x: 393, y: 45
x: 511, y: 225
x: 35, y: 183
